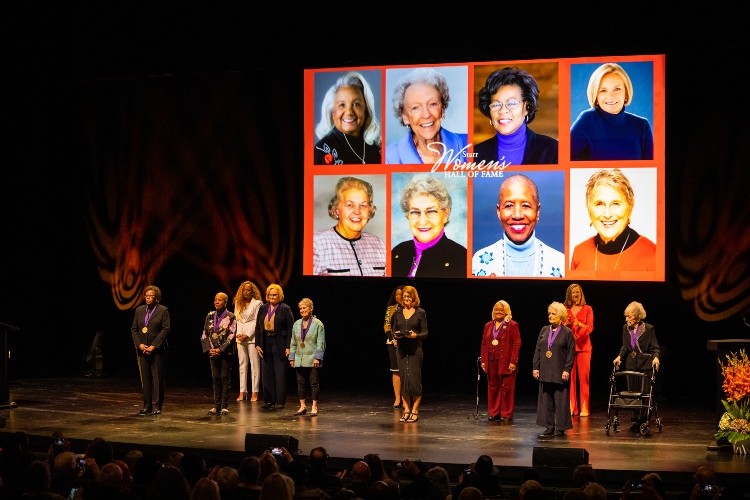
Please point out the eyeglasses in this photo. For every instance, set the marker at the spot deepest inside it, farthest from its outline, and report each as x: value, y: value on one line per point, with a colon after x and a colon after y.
x: 273, y: 294
x: 150, y: 296
x: 430, y: 213
x: 510, y: 104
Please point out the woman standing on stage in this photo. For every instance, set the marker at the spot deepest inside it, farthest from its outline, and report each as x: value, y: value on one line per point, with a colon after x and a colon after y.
x: 273, y: 333
x: 409, y: 324
x: 553, y: 361
x: 393, y: 303
x: 218, y: 341
x: 500, y: 345
x: 306, y: 355
x: 149, y: 331
x: 581, y: 320
x: 641, y: 351
x: 246, y: 304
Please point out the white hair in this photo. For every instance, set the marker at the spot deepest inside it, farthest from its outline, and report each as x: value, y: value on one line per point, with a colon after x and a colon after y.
x: 371, y: 127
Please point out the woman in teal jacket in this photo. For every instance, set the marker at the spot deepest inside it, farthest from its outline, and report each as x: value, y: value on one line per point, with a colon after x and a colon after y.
x: 306, y: 355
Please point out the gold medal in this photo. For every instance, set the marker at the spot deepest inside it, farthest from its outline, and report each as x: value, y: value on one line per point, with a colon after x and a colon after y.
x: 145, y: 329
x: 495, y: 342
x: 548, y: 354
x: 632, y: 354
x: 269, y: 326
x: 302, y: 345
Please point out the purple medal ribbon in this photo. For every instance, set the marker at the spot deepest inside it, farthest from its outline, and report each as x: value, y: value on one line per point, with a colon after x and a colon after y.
x: 217, y: 320
x: 496, y: 331
x: 148, y: 315
x: 271, y: 311
x: 634, y: 337
x: 552, y: 337
x: 306, y: 329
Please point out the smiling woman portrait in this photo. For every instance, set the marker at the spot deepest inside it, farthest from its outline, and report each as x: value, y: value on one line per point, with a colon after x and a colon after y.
x: 616, y: 246
x: 427, y: 206
x: 346, y: 249
x: 606, y: 131
x: 419, y: 101
x: 349, y: 130
x: 519, y: 252
x: 510, y: 99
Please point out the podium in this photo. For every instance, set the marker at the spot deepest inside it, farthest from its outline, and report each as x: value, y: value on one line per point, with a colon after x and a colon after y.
x: 723, y: 348
x: 4, y: 353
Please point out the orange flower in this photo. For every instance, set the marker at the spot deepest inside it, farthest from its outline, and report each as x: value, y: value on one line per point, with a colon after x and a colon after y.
x: 736, y: 376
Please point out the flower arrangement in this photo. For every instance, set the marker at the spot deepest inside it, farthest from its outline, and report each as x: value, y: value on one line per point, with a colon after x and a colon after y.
x: 735, y: 423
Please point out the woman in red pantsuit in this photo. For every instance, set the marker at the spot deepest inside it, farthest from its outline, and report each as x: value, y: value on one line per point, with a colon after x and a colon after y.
x: 581, y: 321
x: 500, y: 345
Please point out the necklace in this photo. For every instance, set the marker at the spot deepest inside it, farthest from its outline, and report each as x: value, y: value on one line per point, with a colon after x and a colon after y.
x: 364, y: 149
x: 423, y: 156
x: 596, y: 256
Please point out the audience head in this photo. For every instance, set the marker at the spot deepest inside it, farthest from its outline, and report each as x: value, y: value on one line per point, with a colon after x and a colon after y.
x: 530, y: 473
x: 102, y: 452
x: 471, y: 493
x: 575, y: 494
x: 205, y: 489
x: 110, y: 476
x: 268, y: 466
x: 440, y: 481
x: 528, y: 486
x: 38, y: 476
x: 377, y: 470
x: 193, y: 468
x: 595, y: 491
x: 65, y: 464
x: 249, y: 471
x: 379, y: 491
x: 174, y: 458
x: 582, y: 475
x: 228, y: 479
x: 360, y: 472
x: 131, y: 458
x: 705, y: 476
x: 169, y: 483
x: 277, y: 487
x: 318, y: 458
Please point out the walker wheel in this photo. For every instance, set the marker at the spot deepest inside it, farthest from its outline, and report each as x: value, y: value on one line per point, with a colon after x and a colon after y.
x: 644, y: 429
x: 658, y: 424
x: 608, y: 424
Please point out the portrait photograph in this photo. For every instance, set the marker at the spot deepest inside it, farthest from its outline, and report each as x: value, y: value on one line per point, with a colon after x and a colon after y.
x: 612, y: 111
x: 516, y: 113
x: 428, y: 225
x: 512, y: 233
x: 348, y: 123
x: 425, y: 105
x: 614, y: 227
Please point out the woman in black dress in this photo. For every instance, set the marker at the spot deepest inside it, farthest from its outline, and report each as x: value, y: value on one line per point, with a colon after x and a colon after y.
x: 409, y: 324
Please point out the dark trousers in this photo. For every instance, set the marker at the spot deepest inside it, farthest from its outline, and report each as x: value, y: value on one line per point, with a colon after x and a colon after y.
x: 642, y: 385
x: 553, y: 406
x: 151, y: 367
x: 274, y: 374
x: 220, y: 366
x: 305, y: 376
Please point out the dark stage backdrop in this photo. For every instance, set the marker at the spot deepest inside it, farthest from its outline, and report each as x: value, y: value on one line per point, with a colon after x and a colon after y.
x: 191, y: 180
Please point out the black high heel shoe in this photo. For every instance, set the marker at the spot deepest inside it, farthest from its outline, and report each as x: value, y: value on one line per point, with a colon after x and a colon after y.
x: 405, y: 418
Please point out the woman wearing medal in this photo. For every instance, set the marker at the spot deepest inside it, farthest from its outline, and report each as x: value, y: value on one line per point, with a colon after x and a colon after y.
x: 500, y: 345
x: 218, y: 340
x: 306, y: 355
x: 273, y: 331
x: 553, y: 361
x: 640, y: 349
x: 149, y: 331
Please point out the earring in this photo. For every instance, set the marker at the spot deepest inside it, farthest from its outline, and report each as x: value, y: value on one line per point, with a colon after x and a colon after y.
x: 527, y: 118
x: 443, y: 118
x: 491, y: 124
x: 591, y: 224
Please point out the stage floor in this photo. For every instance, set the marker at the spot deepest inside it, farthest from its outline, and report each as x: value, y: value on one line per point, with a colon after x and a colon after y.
x: 350, y: 425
